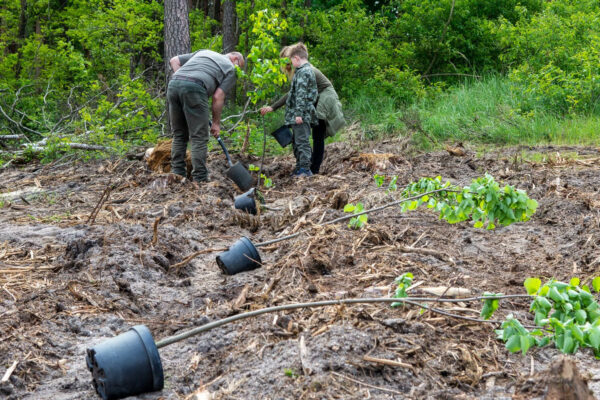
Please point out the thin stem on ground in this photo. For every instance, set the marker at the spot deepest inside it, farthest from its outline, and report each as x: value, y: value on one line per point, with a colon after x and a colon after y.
x: 408, y: 300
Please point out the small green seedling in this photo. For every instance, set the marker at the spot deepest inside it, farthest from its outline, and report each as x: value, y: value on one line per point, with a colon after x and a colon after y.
x: 392, y: 187
x: 380, y: 180
x: 267, y: 182
x: 290, y: 373
x: 403, y: 282
x: 358, y: 221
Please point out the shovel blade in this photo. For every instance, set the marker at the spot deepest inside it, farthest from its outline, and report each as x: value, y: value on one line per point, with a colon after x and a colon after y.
x: 240, y: 176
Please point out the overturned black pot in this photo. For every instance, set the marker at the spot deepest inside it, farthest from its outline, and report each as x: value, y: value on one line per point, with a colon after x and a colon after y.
x: 241, y: 256
x: 246, y: 202
x: 283, y: 135
x: 126, y: 365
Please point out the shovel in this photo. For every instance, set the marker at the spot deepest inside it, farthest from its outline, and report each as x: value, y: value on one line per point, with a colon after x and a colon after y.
x: 237, y: 172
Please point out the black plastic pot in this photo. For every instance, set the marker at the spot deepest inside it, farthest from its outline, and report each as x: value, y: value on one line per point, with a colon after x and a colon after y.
x: 283, y: 135
x: 240, y: 257
x: 126, y: 365
x: 246, y: 202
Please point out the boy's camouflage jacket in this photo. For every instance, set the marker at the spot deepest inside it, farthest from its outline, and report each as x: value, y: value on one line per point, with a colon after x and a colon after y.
x: 302, y: 97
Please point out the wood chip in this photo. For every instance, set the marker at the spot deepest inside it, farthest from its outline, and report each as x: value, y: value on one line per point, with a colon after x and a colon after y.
x: 391, y: 363
x: 9, y: 372
x: 447, y: 292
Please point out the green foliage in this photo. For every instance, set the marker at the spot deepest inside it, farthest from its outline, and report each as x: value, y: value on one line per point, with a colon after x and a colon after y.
x: 555, y: 54
x: 566, y: 314
x: 358, y: 221
x: 346, y: 41
x: 379, y: 179
x: 403, y: 282
x: 483, y: 202
x: 265, y: 67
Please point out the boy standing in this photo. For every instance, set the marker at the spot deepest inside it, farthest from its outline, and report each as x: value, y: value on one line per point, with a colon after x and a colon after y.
x: 300, y: 111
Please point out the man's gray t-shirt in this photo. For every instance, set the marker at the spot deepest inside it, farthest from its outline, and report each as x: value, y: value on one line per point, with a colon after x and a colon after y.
x: 214, y: 69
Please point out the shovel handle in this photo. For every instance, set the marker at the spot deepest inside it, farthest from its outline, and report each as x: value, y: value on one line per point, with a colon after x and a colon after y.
x: 225, y: 151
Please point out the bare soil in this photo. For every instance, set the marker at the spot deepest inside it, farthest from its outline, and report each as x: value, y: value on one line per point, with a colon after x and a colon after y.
x: 71, y: 278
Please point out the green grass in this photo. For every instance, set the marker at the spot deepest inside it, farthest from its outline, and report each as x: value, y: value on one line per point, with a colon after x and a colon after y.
x: 488, y: 111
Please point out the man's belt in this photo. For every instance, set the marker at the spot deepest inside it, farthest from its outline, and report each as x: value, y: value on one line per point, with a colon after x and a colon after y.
x: 190, y: 79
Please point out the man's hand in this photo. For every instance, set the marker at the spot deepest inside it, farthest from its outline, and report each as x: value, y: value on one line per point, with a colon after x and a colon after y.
x: 266, y: 109
x: 298, y: 120
x: 215, y: 129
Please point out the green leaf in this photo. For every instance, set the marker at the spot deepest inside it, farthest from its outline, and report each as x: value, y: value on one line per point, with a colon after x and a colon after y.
x: 532, y: 285
x: 594, y: 337
x: 574, y: 282
x: 596, y: 284
x: 544, y: 304
x: 525, y: 343
x: 580, y: 317
x: 514, y: 343
x: 542, y: 342
x: 349, y: 208
x: 555, y: 295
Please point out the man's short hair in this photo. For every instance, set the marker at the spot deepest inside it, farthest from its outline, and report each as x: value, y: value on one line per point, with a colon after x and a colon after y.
x: 239, y: 57
x: 299, y: 49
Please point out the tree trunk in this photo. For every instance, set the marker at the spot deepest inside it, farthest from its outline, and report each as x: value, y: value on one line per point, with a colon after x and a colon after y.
x: 230, y: 39
x: 177, y: 31
x: 217, y: 10
x: 177, y: 38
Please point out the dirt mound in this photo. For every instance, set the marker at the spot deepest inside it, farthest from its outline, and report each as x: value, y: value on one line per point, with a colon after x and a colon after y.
x: 565, y: 382
x: 159, y: 159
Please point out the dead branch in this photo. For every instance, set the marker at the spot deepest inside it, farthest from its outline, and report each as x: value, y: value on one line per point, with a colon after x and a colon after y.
x: 242, y: 116
x: 11, y: 137
x: 18, y: 124
x: 103, y: 199
x: 194, y: 255
x: 155, y: 229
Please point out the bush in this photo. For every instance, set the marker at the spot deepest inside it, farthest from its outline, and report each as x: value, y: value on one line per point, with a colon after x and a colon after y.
x: 556, y: 54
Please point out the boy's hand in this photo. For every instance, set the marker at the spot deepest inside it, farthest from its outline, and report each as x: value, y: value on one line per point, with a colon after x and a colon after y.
x: 265, y: 110
x: 298, y: 120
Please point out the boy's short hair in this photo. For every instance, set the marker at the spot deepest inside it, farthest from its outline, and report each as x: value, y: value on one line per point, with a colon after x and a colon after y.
x: 299, y: 49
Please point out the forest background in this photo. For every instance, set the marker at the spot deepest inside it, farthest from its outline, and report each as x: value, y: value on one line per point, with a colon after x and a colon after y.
x: 92, y: 74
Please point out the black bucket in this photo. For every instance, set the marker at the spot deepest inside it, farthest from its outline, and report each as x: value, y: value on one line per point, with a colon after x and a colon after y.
x: 283, y: 135
x: 240, y: 257
x: 246, y: 202
x: 240, y: 175
x: 126, y: 365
